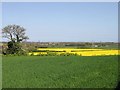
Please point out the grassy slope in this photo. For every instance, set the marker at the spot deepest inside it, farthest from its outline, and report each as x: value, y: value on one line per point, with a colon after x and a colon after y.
x: 60, y: 71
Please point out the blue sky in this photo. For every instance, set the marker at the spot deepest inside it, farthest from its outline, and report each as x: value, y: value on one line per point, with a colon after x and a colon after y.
x: 67, y: 22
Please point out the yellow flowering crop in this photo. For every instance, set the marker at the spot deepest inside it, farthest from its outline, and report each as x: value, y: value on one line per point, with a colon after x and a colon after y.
x: 81, y: 52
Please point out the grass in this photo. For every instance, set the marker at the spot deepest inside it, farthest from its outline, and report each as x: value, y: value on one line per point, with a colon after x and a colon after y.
x: 60, y: 71
x: 0, y: 72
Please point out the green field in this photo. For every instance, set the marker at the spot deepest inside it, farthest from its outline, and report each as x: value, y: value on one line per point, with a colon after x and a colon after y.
x: 59, y: 72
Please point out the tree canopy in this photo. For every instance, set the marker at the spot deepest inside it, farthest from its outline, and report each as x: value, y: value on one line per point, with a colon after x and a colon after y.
x: 14, y: 33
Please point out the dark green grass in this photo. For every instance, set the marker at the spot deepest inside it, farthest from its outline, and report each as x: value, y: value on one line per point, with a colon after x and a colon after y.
x: 60, y: 71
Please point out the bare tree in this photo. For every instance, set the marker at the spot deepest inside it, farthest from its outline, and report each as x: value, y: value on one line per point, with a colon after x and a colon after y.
x: 14, y: 33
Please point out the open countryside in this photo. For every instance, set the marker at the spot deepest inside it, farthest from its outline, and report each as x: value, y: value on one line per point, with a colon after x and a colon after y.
x: 65, y: 67
x: 59, y: 45
x: 70, y: 51
x: 60, y: 71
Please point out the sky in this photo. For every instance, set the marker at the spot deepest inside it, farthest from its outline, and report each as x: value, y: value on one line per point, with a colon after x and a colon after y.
x: 64, y: 22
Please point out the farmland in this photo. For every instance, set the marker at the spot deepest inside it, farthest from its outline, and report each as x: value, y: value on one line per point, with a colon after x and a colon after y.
x: 62, y: 65
x: 60, y: 71
x: 74, y: 51
x: 59, y: 45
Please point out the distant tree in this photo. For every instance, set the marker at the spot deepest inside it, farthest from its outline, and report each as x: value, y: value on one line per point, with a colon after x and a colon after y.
x: 15, y: 34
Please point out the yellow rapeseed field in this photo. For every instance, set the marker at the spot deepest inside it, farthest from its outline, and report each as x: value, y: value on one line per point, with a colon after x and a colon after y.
x: 73, y: 51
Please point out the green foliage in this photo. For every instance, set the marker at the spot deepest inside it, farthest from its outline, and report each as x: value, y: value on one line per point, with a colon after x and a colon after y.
x: 13, y: 47
x: 51, y: 53
x: 68, y: 54
x: 60, y: 72
x: 16, y: 34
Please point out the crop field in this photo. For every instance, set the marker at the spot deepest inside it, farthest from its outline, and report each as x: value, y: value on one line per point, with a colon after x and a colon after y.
x: 60, y: 71
x: 74, y: 51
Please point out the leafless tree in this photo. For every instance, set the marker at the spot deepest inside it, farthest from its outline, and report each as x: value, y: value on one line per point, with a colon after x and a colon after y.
x: 14, y: 33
